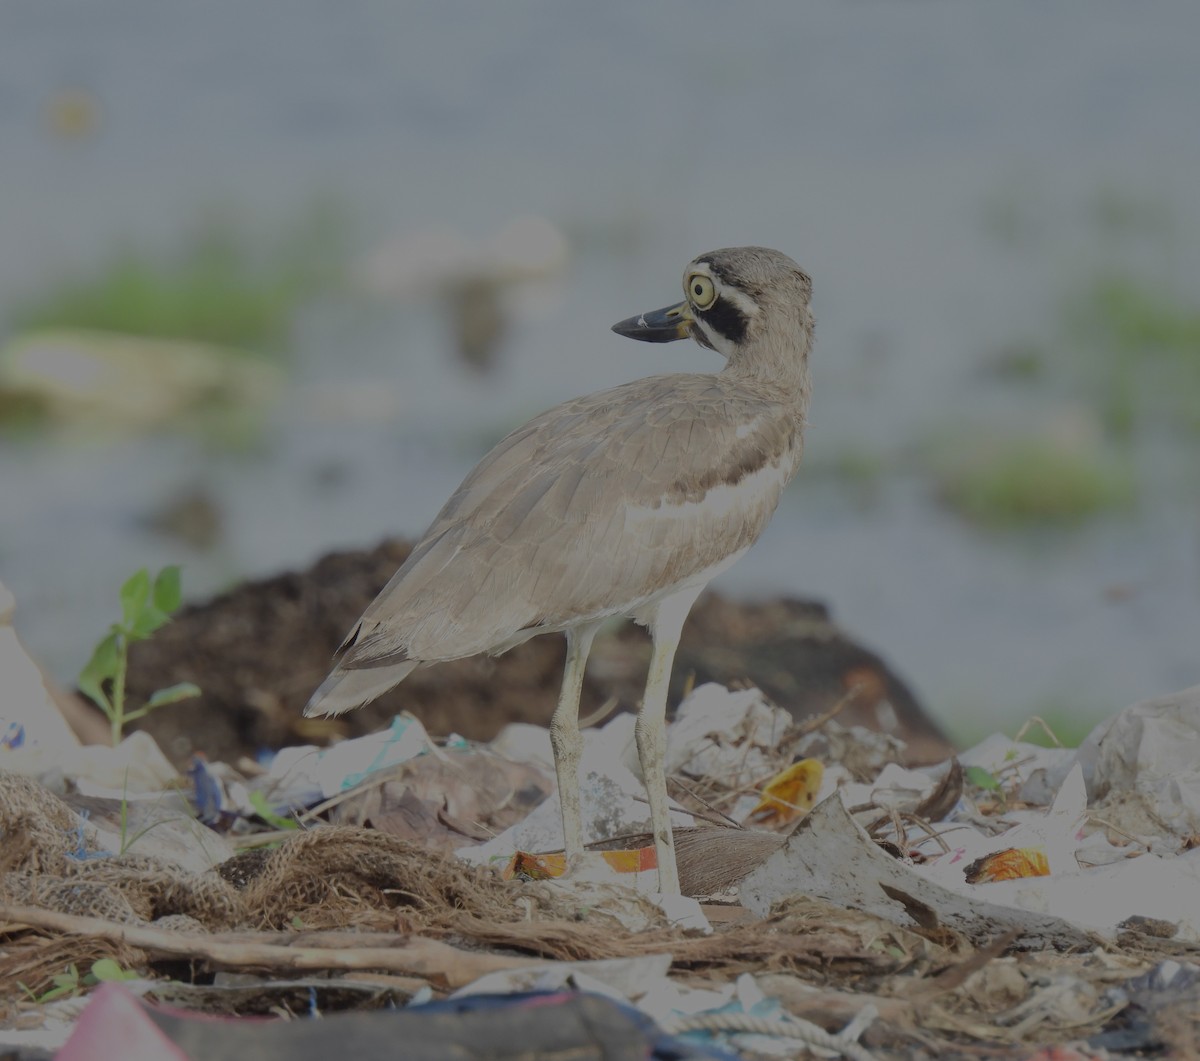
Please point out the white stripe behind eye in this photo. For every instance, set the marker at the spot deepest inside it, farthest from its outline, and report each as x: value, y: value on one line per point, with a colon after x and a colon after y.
x: 715, y: 339
x: 740, y: 299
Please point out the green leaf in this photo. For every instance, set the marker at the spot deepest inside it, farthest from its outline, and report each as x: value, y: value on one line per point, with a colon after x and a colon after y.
x: 135, y: 594
x: 64, y: 984
x: 172, y: 695
x: 167, y: 591
x: 101, y: 668
x: 108, y: 969
x: 981, y: 778
x: 147, y: 621
x: 263, y: 809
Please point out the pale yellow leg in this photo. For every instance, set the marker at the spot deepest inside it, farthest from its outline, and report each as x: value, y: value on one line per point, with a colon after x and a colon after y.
x: 566, y: 741
x: 651, y: 733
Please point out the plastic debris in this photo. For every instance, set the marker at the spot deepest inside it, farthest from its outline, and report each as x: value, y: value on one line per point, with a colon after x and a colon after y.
x: 731, y: 738
x: 1150, y: 751
x: 1043, y: 894
x: 302, y: 776
x: 612, y: 797
x: 830, y: 856
x: 28, y: 715
x: 487, y: 1027
x: 789, y: 795
x: 463, y: 794
x: 554, y: 864
x: 975, y: 907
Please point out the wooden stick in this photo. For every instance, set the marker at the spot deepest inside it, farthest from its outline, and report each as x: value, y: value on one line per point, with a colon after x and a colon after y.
x: 414, y: 955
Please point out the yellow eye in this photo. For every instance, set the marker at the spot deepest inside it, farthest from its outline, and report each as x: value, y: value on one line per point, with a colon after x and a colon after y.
x: 700, y: 290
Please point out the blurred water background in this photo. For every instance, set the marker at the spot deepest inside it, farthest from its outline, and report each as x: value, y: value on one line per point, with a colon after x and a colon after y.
x: 997, y: 203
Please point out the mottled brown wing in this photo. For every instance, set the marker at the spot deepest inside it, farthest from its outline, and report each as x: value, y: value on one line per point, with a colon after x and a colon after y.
x: 586, y: 510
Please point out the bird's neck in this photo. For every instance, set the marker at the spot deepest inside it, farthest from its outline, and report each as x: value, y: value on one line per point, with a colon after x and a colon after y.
x: 777, y: 367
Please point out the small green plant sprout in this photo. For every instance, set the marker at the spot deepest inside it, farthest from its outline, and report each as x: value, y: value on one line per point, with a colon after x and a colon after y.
x: 63, y: 985
x: 70, y: 983
x: 263, y: 809
x: 145, y: 606
x: 110, y: 969
x: 982, y: 778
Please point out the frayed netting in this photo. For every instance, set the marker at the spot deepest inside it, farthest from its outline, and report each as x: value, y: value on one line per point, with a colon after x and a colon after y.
x: 37, y: 830
x: 362, y: 885
x: 334, y: 876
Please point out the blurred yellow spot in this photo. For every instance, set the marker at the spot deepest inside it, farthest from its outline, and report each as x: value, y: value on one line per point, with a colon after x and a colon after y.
x: 72, y: 113
x: 1012, y: 864
x: 789, y: 795
x: 541, y: 867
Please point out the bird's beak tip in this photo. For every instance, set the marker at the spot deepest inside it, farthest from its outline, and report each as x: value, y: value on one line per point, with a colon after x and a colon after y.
x: 659, y: 326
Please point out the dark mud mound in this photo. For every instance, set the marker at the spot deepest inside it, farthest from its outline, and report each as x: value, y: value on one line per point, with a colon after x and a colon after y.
x: 258, y: 651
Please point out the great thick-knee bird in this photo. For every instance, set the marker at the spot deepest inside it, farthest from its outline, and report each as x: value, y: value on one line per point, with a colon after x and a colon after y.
x: 623, y: 502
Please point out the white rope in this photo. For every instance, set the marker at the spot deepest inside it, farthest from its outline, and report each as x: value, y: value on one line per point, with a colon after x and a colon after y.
x: 794, y: 1028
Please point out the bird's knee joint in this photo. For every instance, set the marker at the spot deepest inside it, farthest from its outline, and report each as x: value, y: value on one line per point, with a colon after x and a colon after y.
x: 563, y: 736
x: 647, y: 734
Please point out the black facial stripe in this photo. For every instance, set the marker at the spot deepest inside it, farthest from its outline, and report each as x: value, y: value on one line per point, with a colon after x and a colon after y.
x: 726, y: 319
x: 719, y: 271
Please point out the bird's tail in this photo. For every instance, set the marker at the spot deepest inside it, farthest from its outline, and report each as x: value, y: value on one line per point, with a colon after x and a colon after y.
x: 345, y: 690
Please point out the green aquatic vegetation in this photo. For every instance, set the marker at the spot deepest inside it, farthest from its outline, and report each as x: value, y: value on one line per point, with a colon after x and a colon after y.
x: 1126, y: 333
x: 1058, y: 726
x: 1019, y: 362
x: 1139, y: 345
x: 1033, y: 480
x: 1133, y: 317
x: 859, y: 467
x: 21, y: 413
x: 1127, y: 214
x: 850, y: 465
x: 219, y: 287
x: 146, y: 605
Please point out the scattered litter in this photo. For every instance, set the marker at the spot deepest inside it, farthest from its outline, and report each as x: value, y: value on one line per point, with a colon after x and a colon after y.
x: 725, y: 736
x: 613, y: 804
x: 554, y: 863
x: 622, y: 979
x: 830, y: 856
x: 569, y: 1023
x: 789, y: 795
x: 28, y: 715
x: 135, y: 769
x: 837, y: 900
x: 1151, y: 751
x: 862, y: 753
x: 751, y: 1022
x: 523, y: 742
x: 462, y: 795
x: 349, y: 762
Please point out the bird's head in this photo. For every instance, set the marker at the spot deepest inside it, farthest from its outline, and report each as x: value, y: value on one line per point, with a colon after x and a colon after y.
x: 749, y: 304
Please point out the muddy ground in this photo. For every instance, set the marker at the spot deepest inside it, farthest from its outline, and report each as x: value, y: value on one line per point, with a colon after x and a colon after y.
x: 258, y: 651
